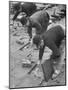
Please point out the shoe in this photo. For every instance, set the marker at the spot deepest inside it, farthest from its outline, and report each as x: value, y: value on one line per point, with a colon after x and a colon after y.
x: 55, y: 74
x: 38, y: 71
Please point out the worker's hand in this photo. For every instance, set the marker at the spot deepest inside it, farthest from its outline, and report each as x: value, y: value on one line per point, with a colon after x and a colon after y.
x: 41, y: 44
x: 38, y: 62
x: 31, y: 42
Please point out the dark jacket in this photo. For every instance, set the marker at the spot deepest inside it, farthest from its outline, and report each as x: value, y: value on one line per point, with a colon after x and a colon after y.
x: 52, y: 39
x: 40, y: 21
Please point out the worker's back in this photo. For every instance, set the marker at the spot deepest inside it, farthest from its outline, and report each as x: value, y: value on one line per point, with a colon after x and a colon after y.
x: 42, y: 18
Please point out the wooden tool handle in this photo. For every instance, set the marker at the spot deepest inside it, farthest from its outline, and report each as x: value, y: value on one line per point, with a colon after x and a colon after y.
x: 32, y: 68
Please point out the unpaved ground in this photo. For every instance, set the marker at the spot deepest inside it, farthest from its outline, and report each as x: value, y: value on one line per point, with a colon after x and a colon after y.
x: 18, y: 74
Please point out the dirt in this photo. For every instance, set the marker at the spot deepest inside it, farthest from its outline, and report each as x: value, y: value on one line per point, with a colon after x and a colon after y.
x: 19, y: 76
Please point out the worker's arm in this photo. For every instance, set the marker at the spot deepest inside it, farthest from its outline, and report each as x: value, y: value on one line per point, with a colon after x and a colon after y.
x: 30, y: 31
x: 16, y: 14
x: 37, y: 26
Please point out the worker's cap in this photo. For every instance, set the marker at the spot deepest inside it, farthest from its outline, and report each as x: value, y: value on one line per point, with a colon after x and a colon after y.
x: 21, y: 15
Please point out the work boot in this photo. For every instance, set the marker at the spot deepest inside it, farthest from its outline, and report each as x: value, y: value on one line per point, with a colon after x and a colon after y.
x: 55, y: 74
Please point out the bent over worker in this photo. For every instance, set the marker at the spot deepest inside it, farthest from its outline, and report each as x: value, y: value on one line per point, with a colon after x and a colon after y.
x: 39, y: 20
x: 52, y: 39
